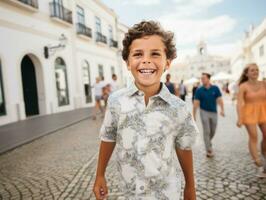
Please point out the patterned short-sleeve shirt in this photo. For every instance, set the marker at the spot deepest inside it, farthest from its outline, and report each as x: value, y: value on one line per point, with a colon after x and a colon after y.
x: 146, y: 140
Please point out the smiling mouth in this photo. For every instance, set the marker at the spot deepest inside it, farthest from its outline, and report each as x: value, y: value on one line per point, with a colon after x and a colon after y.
x: 146, y: 71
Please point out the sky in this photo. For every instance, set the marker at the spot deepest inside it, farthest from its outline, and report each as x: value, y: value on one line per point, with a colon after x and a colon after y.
x: 220, y: 23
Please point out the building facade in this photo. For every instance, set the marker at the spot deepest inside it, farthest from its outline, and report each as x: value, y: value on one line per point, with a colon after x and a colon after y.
x: 50, y: 54
x: 204, y: 62
x: 254, y: 48
x: 179, y: 71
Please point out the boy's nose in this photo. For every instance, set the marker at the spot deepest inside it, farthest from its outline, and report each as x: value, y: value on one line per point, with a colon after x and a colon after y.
x: 146, y: 62
x: 146, y: 59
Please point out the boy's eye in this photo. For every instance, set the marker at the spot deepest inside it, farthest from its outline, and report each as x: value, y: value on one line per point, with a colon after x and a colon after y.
x: 156, y: 54
x: 136, y: 54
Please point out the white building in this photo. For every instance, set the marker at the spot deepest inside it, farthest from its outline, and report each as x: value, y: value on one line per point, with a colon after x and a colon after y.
x: 237, y: 65
x: 179, y: 71
x: 253, y: 50
x: 126, y: 75
x: 35, y: 83
x: 204, y: 62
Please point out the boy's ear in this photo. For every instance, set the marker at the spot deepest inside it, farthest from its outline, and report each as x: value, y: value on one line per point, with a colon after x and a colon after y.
x: 168, y: 64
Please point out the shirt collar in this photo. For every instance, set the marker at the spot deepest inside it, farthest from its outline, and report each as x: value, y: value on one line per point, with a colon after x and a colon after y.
x: 164, y: 93
x: 132, y: 89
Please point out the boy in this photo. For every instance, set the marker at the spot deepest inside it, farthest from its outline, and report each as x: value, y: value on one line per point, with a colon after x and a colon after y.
x: 147, y: 124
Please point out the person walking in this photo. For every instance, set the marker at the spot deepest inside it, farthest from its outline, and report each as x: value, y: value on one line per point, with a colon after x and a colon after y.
x: 182, y: 91
x: 194, y: 89
x: 98, y: 94
x: 207, y: 97
x: 149, y: 127
x: 251, y: 110
x: 113, y: 83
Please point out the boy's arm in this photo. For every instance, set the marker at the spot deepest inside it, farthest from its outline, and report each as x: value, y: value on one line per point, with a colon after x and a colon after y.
x: 100, y: 188
x: 186, y: 162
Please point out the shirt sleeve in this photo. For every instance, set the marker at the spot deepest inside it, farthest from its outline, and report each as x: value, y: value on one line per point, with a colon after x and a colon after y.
x: 219, y: 94
x: 197, y: 94
x: 108, y: 129
x: 187, y: 131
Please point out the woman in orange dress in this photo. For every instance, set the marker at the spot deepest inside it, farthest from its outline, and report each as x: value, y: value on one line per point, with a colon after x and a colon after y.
x: 251, y: 109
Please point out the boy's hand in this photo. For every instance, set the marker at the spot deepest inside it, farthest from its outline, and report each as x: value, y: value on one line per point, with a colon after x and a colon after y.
x: 189, y: 193
x: 100, y: 188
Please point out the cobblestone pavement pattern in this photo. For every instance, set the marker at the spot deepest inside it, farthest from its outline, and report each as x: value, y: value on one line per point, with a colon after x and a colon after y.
x: 62, y: 166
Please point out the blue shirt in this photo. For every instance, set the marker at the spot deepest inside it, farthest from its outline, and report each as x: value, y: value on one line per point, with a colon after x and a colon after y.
x: 208, y: 97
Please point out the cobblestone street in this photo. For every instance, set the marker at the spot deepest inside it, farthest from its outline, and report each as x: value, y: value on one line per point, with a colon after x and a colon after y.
x: 62, y: 165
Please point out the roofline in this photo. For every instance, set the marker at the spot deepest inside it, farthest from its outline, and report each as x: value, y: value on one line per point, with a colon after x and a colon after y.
x: 109, y: 10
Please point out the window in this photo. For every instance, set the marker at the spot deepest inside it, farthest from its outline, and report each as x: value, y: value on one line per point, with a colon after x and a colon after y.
x: 261, y: 50
x: 87, y: 82
x: 59, y: 10
x: 110, y: 29
x: 61, y: 82
x: 100, y: 70
x: 98, y: 25
x: 80, y: 15
x: 2, y: 99
x: 112, y: 70
x: 59, y: 2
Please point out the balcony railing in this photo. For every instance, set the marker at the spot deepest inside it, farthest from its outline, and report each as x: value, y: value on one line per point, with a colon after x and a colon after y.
x: 101, y: 38
x: 59, y: 11
x: 32, y: 3
x: 113, y: 43
x: 83, y: 30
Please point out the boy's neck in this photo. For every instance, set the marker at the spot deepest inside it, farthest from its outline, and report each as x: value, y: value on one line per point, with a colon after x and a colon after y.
x: 149, y: 91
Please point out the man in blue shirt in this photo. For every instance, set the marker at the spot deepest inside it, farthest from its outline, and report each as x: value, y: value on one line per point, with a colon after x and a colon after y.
x: 207, y: 96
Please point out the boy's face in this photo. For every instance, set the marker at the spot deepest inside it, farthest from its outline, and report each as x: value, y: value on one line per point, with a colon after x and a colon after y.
x: 147, y: 60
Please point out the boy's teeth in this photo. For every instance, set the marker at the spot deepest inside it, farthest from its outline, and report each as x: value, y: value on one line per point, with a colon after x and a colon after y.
x: 146, y: 71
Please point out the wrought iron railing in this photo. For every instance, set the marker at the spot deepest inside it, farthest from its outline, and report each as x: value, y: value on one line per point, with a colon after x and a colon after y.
x: 83, y: 30
x: 32, y: 3
x: 101, y: 38
x: 113, y: 43
x: 59, y: 11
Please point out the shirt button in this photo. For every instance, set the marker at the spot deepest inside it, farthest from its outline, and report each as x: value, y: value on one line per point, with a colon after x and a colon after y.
x: 141, y: 187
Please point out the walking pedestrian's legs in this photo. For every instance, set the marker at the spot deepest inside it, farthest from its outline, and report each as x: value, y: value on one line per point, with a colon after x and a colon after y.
x: 213, y: 124
x: 205, y: 120
x: 97, y: 106
x: 263, y: 144
x: 252, y: 143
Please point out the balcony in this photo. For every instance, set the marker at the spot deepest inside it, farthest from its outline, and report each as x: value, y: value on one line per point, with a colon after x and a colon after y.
x: 58, y: 11
x: 83, y: 30
x: 30, y: 5
x: 101, y: 38
x: 113, y: 43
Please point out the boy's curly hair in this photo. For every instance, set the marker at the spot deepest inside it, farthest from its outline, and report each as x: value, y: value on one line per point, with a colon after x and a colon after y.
x: 146, y: 28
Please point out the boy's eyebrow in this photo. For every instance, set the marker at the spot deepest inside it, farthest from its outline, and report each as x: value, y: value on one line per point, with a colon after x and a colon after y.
x: 136, y: 50
x: 156, y: 49
x: 140, y: 50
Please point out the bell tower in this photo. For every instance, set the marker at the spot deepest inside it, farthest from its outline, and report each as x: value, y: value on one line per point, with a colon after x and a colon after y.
x: 202, y: 48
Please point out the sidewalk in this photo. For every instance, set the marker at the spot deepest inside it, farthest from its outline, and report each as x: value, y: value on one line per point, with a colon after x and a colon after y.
x: 15, y: 134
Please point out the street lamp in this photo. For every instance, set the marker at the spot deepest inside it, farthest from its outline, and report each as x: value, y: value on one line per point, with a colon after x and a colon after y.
x: 52, y: 49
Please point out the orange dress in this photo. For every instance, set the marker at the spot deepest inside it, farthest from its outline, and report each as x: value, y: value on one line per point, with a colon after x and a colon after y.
x: 254, y: 109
